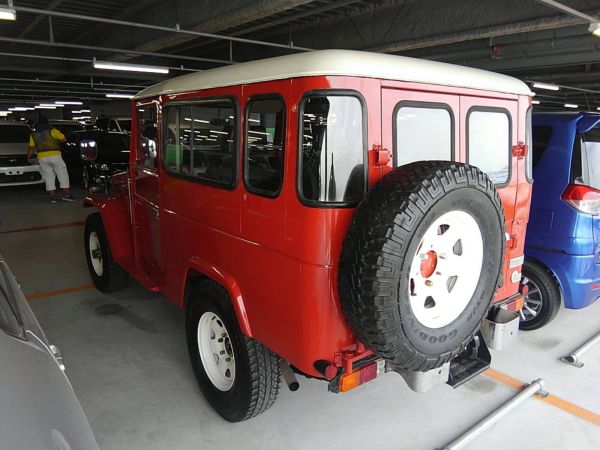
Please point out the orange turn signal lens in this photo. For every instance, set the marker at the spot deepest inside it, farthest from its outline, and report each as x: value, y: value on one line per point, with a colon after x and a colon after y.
x: 351, y: 380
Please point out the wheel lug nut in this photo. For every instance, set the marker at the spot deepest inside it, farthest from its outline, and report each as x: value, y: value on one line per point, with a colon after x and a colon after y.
x: 224, y: 335
x: 227, y: 359
x: 220, y: 340
x: 428, y: 283
x: 222, y: 352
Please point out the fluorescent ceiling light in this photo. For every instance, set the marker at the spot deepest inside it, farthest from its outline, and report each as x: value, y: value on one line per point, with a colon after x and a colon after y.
x: 44, y: 107
x: 4, y: 113
x: 50, y: 105
x: 598, y: 108
x: 129, y: 67
x: 68, y: 102
x: 535, y: 102
x: 119, y: 95
x: 8, y: 14
x: 20, y: 108
x: 549, y: 87
x: 595, y: 28
x: 570, y: 105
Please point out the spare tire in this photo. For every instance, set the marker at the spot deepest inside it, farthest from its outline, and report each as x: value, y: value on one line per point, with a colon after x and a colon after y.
x: 421, y: 262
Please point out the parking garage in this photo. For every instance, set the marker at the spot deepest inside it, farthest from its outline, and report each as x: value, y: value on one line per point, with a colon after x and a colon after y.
x: 300, y: 224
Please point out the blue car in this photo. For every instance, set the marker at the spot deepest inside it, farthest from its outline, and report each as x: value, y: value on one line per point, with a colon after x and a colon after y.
x: 562, y: 248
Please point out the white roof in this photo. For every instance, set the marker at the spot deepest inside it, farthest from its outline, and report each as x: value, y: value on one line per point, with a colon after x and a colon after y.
x: 341, y: 62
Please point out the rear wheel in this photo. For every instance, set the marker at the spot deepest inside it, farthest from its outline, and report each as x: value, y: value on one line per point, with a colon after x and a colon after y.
x: 542, y: 301
x: 107, y: 275
x: 238, y: 375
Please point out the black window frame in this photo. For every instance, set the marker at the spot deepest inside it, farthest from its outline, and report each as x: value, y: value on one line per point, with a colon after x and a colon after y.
x: 529, y: 143
x: 300, y: 152
x: 423, y: 105
x: 236, y: 142
x: 495, y: 109
x: 249, y: 188
x: 139, y: 135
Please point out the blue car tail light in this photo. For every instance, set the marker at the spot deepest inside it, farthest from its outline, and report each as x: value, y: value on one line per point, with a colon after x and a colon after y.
x: 583, y: 198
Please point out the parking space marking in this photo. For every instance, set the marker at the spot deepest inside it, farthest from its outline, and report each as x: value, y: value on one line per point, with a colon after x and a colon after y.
x: 553, y: 400
x: 46, y: 227
x: 84, y: 287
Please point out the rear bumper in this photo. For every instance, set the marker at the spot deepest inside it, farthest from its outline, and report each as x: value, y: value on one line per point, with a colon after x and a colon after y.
x: 20, y: 175
x: 578, y: 275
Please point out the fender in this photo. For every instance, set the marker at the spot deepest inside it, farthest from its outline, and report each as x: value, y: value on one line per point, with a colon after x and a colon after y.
x: 114, y: 212
x: 228, y: 282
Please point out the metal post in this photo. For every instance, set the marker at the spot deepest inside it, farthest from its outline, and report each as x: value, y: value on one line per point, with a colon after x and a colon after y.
x: 575, y: 358
x: 531, y: 389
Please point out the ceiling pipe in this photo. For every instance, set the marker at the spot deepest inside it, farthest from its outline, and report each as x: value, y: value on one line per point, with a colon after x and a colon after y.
x: 546, y: 23
x: 284, y: 20
x: 111, y: 50
x: 37, y: 80
x: 63, y: 58
x: 568, y: 10
x: 175, y: 29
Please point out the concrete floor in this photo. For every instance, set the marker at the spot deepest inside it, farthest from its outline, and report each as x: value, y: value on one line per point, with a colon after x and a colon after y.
x: 127, y: 360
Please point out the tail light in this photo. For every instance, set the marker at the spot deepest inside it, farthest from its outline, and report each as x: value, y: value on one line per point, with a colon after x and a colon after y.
x: 583, y: 198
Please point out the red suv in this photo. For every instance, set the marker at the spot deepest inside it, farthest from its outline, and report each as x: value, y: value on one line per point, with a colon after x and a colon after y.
x: 334, y: 214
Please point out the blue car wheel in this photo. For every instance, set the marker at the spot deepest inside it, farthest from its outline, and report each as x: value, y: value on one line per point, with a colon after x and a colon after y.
x: 542, y: 300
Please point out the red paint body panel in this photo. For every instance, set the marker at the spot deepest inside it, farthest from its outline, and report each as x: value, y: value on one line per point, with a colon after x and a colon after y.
x: 277, y: 257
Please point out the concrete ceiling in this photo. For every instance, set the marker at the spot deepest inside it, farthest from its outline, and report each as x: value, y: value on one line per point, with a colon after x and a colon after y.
x: 47, y: 52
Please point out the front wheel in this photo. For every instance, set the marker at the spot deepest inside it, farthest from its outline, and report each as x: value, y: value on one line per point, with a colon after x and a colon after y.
x: 238, y: 376
x: 542, y: 300
x: 107, y: 275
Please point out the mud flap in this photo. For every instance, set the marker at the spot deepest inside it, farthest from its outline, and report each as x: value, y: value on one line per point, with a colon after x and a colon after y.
x: 471, y: 362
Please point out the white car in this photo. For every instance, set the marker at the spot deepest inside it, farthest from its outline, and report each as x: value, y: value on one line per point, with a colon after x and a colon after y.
x: 38, y: 407
x: 14, y: 167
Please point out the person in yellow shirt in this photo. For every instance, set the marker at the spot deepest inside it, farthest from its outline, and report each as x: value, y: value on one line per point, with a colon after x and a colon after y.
x: 46, y: 141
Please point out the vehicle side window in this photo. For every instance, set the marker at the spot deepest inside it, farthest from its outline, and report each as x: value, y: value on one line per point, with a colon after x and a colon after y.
x: 541, y: 139
x: 200, y: 141
x: 147, y: 135
x: 488, y: 144
x: 8, y: 319
x: 265, y: 143
x: 422, y: 132
x: 589, y: 167
x: 332, y: 164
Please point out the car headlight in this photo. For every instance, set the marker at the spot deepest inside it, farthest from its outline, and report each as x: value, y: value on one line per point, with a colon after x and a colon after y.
x: 104, y: 166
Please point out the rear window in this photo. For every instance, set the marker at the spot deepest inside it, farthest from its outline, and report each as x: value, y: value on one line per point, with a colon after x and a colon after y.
x: 332, y: 150
x: 14, y: 133
x: 590, y: 160
x: 422, y: 132
x: 488, y: 144
x: 541, y: 139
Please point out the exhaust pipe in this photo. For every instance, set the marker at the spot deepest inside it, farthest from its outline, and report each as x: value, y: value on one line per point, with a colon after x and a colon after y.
x: 288, y: 376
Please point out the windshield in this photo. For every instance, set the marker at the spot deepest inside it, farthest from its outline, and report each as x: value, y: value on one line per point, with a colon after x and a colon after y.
x: 125, y: 124
x: 14, y: 133
x: 590, y: 158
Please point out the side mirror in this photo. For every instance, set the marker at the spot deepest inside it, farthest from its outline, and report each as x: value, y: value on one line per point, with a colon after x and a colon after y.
x: 88, y: 149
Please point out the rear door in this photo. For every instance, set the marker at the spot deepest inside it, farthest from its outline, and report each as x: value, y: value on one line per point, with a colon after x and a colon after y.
x: 488, y: 131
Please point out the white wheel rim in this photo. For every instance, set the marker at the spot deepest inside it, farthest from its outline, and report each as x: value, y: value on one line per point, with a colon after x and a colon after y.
x: 96, y: 253
x: 445, y: 270
x: 216, y: 351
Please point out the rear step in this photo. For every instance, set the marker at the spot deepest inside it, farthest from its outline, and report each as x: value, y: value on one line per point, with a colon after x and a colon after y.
x: 471, y: 362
